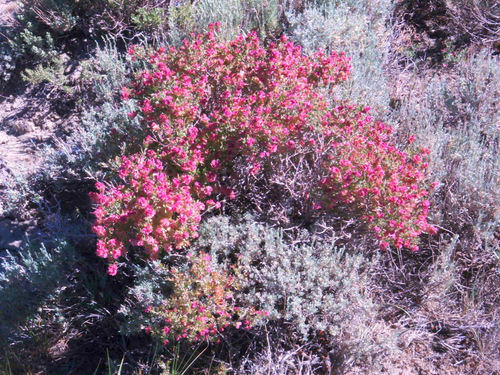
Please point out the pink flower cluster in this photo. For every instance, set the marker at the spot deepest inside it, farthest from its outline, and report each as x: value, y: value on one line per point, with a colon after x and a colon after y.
x: 209, y: 102
x: 201, y: 305
x: 386, y: 185
x: 151, y: 210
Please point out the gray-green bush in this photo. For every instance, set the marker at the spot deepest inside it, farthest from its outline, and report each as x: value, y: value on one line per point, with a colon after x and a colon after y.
x: 8, y: 62
x: 103, y: 114
x: 360, y: 29
x: 458, y: 120
x: 313, y: 286
x: 28, y: 280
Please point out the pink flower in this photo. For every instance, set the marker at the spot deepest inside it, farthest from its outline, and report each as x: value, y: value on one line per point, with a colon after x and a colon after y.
x: 272, y: 148
x: 142, y: 202
x: 290, y: 145
x: 125, y: 93
x: 146, y: 106
x: 215, y: 164
x: 431, y: 229
x: 102, y: 250
x: 147, y: 229
x: 316, y: 206
x: 99, y: 213
x: 113, y: 269
x: 118, y: 252
x: 99, y: 230
x: 149, y: 212
x: 255, y: 168
x: 192, y: 133
x: 187, y: 179
x: 211, y: 177
x: 219, y: 100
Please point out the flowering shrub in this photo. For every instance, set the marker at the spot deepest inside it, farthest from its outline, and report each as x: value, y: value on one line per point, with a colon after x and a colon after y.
x: 208, y: 103
x: 387, y: 185
x: 201, y: 305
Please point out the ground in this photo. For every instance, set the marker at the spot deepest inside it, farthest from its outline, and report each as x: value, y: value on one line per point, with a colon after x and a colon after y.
x: 25, y: 126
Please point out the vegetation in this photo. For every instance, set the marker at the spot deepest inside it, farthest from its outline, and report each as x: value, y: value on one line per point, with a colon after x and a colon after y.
x: 242, y: 186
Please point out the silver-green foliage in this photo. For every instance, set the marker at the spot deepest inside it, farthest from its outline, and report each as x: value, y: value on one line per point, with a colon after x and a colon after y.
x: 459, y: 121
x: 104, y: 118
x: 8, y: 59
x: 29, y: 279
x: 150, y: 289
x: 309, y: 286
x: 313, y: 286
x: 358, y: 28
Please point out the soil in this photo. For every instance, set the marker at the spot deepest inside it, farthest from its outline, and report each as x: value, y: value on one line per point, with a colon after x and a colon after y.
x: 26, y: 124
x: 7, y: 9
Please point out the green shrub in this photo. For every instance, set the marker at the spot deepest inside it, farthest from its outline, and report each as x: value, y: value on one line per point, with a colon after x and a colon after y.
x: 235, y: 17
x: 149, y: 20
x: 52, y: 74
x: 55, y: 15
x: 124, y: 17
x: 94, y: 17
